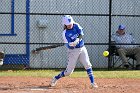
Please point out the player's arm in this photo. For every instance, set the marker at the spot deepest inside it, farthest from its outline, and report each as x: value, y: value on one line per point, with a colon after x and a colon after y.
x: 67, y: 40
x: 132, y: 40
x: 80, y: 34
x: 78, y: 39
x: 71, y: 44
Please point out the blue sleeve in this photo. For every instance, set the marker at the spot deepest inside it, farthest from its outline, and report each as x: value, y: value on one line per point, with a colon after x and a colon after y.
x: 79, y: 29
x: 68, y: 39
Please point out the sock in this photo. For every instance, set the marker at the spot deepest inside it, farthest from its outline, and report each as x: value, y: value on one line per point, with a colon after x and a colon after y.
x: 90, y: 75
x: 60, y: 75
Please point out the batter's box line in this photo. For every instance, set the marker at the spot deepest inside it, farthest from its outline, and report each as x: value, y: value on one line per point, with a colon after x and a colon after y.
x: 37, y: 88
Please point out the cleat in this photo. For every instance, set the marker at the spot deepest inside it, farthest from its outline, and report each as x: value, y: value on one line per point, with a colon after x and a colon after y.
x: 93, y: 85
x: 53, y: 82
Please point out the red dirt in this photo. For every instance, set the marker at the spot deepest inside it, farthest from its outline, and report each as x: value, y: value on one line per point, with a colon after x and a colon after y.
x: 67, y: 85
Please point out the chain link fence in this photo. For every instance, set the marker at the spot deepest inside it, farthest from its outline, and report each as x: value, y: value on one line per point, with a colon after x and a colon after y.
x: 30, y: 24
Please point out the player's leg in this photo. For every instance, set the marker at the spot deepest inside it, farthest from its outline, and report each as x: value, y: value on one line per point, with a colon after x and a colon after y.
x: 122, y: 53
x: 64, y: 73
x: 137, y: 56
x: 55, y: 78
x: 84, y: 59
x: 72, y: 58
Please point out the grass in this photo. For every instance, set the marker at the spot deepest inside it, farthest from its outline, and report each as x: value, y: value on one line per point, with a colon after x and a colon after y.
x: 98, y: 73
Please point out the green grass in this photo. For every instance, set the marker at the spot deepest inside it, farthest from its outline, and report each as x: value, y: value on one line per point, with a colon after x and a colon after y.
x: 76, y: 73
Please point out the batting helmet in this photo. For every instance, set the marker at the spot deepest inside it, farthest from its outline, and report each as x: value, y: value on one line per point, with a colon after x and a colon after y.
x: 67, y: 20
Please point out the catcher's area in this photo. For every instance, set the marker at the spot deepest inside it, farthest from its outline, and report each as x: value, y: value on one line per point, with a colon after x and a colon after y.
x: 67, y: 85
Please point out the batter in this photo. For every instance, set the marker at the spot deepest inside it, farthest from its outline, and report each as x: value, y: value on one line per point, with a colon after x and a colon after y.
x: 72, y: 36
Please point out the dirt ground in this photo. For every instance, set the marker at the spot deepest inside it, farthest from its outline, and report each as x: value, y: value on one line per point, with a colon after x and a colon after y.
x: 67, y: 85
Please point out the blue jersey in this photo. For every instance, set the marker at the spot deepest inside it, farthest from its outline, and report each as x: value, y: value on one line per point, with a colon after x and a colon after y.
x: 70, y: 35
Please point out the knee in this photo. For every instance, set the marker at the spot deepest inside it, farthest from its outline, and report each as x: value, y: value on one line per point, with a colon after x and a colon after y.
x: 68, y: 72
x: 120, y: 50
x: 88, y: 67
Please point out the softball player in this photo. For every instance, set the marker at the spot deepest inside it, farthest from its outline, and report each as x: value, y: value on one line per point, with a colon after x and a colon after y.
x: 72, y: 36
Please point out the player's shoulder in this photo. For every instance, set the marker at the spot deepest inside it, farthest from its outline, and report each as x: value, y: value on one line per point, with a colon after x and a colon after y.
x: 77, y: 25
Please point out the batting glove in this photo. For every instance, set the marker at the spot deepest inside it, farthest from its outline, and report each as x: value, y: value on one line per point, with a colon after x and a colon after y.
x: 73, y: 44
x: 76, y: 41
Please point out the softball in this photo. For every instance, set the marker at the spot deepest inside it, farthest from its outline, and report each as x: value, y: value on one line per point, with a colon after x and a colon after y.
x: 105, y: 53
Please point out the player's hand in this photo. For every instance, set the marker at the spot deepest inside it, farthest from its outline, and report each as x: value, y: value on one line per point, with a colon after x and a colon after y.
x: 72, y: 44
x: 76, y: 41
